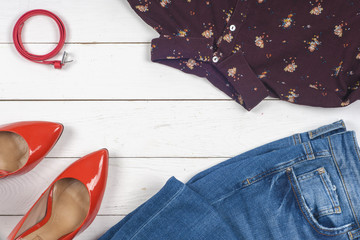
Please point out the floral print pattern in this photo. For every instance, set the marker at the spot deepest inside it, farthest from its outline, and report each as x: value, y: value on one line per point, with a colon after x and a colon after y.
x: 259, y: 41
x: 228, y: 38
x: 308, y: 52
x: 165, y: 3
x: 191, y: 63
x: 292, y: 95
x: 263, y: 74
x: 232, y: 72
x: 143, y: 8
x: 317, y: 10
x: 207, y: 33
x: 290, y: 67
x: 337, y: 70
x: 338, y: 31
x: 287, y: 22
x: 314, y: 44
x: 182, y: 33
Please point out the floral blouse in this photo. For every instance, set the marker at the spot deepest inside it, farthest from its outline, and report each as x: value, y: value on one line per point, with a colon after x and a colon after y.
x: 304, y: 52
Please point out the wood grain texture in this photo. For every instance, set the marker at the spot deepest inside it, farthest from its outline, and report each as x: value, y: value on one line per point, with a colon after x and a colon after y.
x: 131, y: 182
x: 157, y: 122
x: 96, y: 229
x: 86, y: 21
x: 172, y: 128
x: 99, y: 72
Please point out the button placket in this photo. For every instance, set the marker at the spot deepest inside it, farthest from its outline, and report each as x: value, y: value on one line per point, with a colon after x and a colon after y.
x: 233, y: 26
x: 215, y: 59
x: 225, y: 46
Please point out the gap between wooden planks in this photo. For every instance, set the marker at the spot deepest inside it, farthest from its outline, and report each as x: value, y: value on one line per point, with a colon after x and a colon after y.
x: 100, y: 225
x: 99, y: 72
x: 99, y: 21
x: 172, y: 128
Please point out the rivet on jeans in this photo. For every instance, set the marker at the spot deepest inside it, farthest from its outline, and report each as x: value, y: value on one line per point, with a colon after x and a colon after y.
x: 338, y: 209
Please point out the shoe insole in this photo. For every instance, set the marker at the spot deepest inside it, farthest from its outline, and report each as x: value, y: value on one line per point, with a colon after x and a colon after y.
x: 70, y: 206
x: 14, y: 151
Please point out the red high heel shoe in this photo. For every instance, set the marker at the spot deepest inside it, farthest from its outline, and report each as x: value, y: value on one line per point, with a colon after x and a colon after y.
x: 70, y: 204
x: 24, y: 144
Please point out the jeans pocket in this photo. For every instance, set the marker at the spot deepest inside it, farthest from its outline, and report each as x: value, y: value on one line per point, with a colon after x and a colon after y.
x: 317, y: 199
x: 319, y: 193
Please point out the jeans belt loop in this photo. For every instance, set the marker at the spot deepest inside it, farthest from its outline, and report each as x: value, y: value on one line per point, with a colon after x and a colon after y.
x: 309, y: 151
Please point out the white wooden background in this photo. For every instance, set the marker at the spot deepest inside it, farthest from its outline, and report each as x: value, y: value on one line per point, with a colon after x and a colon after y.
x: 156, y: 121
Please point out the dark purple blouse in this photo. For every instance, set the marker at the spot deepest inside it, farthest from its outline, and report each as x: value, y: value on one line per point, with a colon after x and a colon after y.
x: 305, y: 52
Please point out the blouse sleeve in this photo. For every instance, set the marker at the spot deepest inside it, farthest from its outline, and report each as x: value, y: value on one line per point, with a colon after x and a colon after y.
x: 190, y: 36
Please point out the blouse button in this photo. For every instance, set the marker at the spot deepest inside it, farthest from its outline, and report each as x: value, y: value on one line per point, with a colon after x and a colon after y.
x: 232, y: 28
x: 215, y: 59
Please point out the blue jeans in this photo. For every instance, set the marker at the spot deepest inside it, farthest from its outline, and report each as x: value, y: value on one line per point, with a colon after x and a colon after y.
x: 306, y: 186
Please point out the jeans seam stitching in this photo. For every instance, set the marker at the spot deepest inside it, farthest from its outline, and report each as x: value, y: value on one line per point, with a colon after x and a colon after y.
x: 307, y: 154
x: 343, y: 181
x: 257, y: 180
x: 355, y: 235
x: 306, y: 145
x: 272, y: 170
x: 356, y: 148
x: 321, y: 213
x: 358, y: 155
x: 327, y: 188
x: 302, y: 158
x: 305, y: 176
x: 294, y: 139
x: 158, y: 212
x: 301, y: 209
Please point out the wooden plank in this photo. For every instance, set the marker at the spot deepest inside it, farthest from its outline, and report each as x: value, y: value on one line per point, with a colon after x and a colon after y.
x: 99, y: 72
x: 130, y: 183
x: 100, y: 225
x: 86, y: 21
x: 172, y: 128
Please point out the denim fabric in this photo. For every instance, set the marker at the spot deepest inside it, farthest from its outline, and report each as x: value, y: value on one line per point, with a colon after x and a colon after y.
x: 302, y: 187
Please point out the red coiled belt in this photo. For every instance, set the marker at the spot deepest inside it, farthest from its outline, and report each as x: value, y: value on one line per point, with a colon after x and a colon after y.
x: 43, y: 59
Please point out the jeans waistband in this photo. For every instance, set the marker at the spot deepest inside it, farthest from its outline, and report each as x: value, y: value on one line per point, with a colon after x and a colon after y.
x: 321, y: 132
x: 244, y: 172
